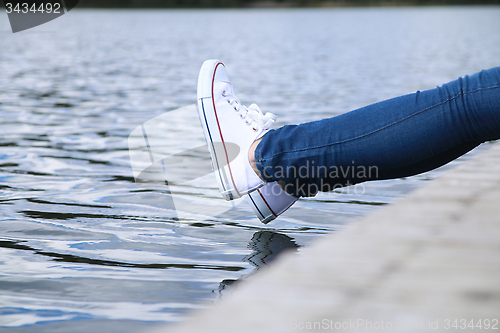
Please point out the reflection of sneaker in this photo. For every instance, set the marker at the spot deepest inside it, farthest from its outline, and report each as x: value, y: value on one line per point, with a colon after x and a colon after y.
x: 267, y: 246
x: 230, y: 128
x: 270, y: 201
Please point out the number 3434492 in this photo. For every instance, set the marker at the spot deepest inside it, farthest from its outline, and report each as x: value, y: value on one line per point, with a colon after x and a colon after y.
x: 25, y: 8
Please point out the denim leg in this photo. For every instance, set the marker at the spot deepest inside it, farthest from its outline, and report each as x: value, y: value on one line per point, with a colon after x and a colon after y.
x: 396, y: 138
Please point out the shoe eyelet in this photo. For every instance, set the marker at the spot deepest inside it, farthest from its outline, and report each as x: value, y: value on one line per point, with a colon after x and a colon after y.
x: 224, y: 94
x: 254, y: 129
x: 235, y: 109
x: 242, y: 116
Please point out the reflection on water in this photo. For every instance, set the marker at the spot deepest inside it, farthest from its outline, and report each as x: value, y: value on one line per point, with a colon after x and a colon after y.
x: 83, y: 247
x: 266, y: 246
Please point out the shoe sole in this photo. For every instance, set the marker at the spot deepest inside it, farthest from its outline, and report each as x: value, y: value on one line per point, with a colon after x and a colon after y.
x: 260, y: 207
x: 267, y: 210
x: 213, y: 135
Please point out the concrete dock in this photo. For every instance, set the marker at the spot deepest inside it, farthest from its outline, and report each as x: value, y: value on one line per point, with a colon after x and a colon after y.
x: 429, y: 262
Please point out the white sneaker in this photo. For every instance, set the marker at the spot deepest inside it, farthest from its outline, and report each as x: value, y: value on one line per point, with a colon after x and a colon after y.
x: 270, y: 201
x: 230, y: 129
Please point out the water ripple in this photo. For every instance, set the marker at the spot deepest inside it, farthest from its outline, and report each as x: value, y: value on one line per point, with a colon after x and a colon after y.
x: 84, y: 247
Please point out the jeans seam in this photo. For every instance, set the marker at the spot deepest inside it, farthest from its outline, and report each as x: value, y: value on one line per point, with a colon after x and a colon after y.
x: 387, y: 126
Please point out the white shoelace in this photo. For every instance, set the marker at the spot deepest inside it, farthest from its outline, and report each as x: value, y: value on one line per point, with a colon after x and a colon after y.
x: 252, y: 114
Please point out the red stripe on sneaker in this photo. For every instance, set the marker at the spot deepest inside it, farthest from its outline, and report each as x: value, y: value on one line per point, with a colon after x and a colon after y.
x: 258, y: 190
x: 220, y: 132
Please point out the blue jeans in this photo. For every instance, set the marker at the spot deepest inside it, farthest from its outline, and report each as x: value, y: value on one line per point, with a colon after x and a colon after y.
x: 396, y: 138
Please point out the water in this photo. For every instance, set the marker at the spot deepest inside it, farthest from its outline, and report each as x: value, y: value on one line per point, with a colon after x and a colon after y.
x: 83, y: 247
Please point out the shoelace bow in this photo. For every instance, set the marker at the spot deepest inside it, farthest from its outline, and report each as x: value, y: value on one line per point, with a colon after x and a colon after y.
x: 253, y: 112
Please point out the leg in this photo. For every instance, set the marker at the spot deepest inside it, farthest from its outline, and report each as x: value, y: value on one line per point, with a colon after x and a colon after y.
x: 400, y: 137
